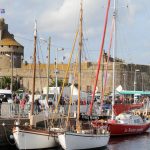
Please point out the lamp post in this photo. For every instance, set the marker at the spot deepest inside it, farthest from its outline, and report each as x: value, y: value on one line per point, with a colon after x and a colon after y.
x: 124, y: 81
x: 142, y: 81
x: 137, y: 70
x: 56, y: 71
x: 48, y: 65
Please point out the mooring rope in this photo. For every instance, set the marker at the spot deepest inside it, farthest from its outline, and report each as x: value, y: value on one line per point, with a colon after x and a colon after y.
x: 8, y: 140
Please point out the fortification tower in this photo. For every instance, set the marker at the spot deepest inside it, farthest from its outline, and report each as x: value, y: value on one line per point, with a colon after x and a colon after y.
x: 11, y: 51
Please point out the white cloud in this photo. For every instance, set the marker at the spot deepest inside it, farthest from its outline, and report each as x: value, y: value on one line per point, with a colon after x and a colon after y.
x: 60, y: 18
x: 65, y: 18
x: 133, y: 8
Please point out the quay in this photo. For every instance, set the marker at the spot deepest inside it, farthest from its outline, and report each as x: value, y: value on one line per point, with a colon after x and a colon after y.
x: 6, y: 125
x: 9, y: 116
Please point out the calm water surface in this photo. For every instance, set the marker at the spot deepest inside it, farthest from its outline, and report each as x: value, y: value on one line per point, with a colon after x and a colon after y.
x: 138, y: 142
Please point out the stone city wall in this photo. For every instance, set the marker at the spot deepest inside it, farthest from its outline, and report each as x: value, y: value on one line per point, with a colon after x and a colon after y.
x: 124, y: 75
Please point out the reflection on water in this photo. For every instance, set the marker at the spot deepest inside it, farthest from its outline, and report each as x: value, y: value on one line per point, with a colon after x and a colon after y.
x: 138, y: 142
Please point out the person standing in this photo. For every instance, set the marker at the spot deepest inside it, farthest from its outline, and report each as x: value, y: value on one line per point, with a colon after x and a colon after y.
x: 4, y: 99
x: 16, y: 103
x: 37, y: 106
x: 22, y: 106
x: 0, y: 105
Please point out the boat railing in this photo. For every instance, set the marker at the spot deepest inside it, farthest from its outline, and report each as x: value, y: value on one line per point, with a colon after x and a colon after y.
x: 10, y: 110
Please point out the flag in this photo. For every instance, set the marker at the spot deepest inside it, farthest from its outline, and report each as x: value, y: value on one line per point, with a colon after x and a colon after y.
x: 119, y: 88
x: 2, y: 11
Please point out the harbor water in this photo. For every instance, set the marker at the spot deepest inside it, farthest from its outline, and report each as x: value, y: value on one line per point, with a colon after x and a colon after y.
x: 138, y: 142
x: 134, y: 142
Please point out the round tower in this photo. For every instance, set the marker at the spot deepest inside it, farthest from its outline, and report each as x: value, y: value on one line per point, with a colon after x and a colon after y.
x: 11, y: 52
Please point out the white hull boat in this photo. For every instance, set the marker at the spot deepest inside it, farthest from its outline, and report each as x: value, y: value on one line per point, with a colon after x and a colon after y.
x: 71, y: 141
x: 34, y: 139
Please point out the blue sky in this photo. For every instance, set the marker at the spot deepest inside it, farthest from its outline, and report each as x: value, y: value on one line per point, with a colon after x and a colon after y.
x: 60, y: 18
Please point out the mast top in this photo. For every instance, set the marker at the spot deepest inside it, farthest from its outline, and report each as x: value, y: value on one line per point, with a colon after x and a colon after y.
x: 35, y: 28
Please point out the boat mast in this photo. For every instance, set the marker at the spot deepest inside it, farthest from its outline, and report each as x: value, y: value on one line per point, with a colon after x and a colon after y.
x: 106, y: 67
x: 48, y: 68
x: 79, y: 66
x: 100, y: 56
x: 34, y: 71
x: 114, y: 49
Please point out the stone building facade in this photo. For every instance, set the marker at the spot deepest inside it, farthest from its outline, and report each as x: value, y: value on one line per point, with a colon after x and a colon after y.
x: 124, y: 73
x: 124, y: 76
x: 11, y: 51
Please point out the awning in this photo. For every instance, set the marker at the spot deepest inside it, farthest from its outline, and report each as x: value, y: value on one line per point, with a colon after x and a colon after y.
x: 123, y: 92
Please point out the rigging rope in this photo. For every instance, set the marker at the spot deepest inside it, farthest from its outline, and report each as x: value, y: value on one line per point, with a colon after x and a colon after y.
x: 70, y: 102
x: 7, y: 137
x: 106, y: 70
x: 65, y: 78
x: 100, y: 56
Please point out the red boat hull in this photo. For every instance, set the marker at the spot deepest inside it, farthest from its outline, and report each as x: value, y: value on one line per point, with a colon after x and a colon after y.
x: 119, y: 108
x: 117, y: 129
x: 125, y: 129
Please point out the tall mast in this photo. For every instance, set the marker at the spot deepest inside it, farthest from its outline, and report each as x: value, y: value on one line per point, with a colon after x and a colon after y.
x: 79, y: 65
x: 34, y: 68
x: 114, y: 49
x: 48, y: 68
x: 100, y: 56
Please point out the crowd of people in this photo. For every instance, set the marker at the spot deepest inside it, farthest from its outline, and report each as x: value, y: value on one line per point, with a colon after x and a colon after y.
x: 21, y: 103
x: 18, y: 104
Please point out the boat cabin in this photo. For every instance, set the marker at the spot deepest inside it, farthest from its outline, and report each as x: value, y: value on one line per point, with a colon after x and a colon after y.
x: 126, y: 118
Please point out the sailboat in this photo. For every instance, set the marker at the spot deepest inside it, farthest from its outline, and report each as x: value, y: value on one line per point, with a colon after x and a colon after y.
x: 81, y: 138
x: 28, y: 137
x: 123, y: 106
x: 125, y: 123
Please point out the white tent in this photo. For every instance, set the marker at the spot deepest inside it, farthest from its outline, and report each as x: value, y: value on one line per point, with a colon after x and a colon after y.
x: 67, y: 93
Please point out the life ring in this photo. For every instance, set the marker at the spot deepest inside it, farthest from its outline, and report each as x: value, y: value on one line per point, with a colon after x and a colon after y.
x: 138, y: 112
x: 144, y: 113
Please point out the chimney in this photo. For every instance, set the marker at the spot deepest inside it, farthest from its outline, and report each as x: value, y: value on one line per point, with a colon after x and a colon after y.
x: 1, y: 27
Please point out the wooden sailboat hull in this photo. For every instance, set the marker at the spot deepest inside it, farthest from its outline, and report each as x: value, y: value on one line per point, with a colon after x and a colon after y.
x: 72, y: 141
x: 34, y: 139
x: 127, y: 129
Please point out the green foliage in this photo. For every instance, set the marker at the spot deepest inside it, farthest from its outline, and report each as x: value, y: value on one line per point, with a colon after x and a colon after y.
x: 5, y: 82
x: 60, y: 83
x: 16, y: 84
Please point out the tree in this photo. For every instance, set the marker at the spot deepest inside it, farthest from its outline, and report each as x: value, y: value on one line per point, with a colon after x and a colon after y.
x: 5, y: 82
x: 16, y: 84
x: 60, y: 83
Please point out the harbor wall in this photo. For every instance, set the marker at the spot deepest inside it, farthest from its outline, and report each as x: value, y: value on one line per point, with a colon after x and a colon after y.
x: 124, y: 75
